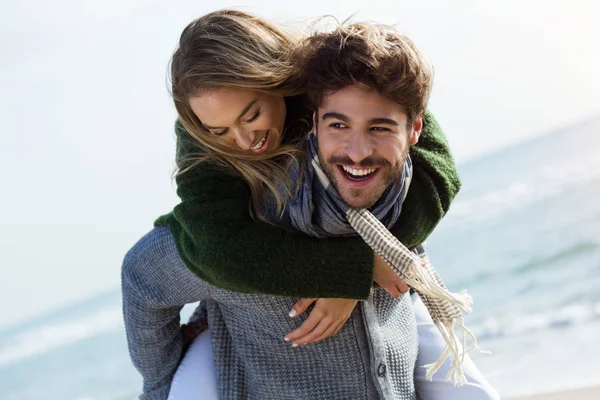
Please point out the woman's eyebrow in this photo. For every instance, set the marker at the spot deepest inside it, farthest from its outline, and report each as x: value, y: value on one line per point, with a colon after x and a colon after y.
x: 244, y: 111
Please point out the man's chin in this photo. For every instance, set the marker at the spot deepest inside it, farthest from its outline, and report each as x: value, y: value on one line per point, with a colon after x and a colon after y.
x: 358, y: 201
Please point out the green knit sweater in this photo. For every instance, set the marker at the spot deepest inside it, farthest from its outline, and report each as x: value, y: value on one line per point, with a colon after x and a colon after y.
x: 220, y: 242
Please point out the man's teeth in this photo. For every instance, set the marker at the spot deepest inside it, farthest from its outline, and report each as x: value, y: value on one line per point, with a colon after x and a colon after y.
x: 260, y: 144
x: 359, y: 172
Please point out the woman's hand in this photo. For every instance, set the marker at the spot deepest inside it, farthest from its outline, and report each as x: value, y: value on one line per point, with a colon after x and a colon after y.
x: 385, y: 277
x: 325, y: 320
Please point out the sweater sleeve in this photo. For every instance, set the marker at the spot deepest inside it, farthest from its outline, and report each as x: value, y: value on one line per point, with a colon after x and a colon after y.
x: 434, y: 185
x: 223, y: 245
x: 155, y: 286
x: 220, y: 242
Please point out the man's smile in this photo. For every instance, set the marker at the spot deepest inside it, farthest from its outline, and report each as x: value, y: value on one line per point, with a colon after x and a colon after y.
x: 358, y: 177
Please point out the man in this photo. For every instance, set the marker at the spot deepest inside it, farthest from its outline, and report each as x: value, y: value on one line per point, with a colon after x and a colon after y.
x: 363, y: 134
x: 369, y: 87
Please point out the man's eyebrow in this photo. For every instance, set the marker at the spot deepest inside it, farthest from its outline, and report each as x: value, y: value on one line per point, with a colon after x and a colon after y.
x: 335, y: 115
x: 385, y: 121
x: 244, y: 111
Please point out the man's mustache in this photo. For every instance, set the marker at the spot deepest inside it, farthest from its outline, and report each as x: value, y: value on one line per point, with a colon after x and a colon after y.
x: 370, y: 162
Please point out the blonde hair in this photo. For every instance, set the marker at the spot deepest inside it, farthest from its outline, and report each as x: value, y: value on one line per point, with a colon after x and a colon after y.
x: 230, y: 48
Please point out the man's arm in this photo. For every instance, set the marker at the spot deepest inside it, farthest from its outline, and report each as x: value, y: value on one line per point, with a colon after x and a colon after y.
x: 155, y: 286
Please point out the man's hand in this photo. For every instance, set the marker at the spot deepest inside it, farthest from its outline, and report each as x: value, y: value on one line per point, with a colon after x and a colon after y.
x: 192, y: 330
x: 385, y: 277
x: 325, y: 320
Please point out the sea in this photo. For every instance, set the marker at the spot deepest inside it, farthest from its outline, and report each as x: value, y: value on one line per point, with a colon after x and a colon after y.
x: 523, y: 237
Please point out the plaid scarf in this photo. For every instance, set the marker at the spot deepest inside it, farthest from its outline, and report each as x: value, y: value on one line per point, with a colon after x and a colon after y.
x: 319, y: 211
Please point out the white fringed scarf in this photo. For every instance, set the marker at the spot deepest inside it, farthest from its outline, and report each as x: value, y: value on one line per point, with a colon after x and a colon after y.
x: 445, y: 308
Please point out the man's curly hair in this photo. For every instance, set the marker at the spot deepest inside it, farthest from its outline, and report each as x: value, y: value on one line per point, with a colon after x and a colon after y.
x: 376, y: 57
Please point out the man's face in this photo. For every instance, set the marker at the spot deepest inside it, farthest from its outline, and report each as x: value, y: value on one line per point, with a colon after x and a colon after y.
x: 363, y: 141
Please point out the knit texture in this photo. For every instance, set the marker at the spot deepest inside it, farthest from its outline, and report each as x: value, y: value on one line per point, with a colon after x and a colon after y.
x: 373, y: 356
x: 434, y: 185
x: 220, y: 242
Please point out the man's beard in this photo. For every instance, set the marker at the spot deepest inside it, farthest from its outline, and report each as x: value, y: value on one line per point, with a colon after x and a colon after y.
x: 371, y: 194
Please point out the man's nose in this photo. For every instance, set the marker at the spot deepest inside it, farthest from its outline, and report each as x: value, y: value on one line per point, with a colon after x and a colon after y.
x: 359, y: 146
x: 244, y: 139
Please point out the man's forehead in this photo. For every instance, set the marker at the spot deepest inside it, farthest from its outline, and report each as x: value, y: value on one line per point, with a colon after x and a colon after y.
x: 360, y: 102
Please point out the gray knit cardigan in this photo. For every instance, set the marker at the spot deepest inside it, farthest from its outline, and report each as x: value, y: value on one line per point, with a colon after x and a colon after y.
x: 372, y: 357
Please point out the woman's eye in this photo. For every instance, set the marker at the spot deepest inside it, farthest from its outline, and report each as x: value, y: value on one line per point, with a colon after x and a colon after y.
x: 254, y: 117
x: 220, y: 133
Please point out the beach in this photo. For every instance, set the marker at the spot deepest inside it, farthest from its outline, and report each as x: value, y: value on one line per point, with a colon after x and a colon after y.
x: 580, y: 394
x: 523, y: 241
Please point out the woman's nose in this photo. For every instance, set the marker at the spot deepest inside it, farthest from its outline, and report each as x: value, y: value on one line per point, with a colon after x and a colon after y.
x: 244, y: 139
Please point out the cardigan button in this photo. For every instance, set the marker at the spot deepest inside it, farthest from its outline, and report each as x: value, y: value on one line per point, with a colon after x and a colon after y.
x: 381, y: 370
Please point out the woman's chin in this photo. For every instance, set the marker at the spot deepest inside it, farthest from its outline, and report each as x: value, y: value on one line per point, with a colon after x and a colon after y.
x: 274, y: 140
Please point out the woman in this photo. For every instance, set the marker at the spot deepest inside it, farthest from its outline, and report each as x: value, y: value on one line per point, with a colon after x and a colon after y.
x: 228, y: 219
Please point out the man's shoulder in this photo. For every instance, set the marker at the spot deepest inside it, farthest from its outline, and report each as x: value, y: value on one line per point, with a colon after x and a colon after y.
x: 153, y: 259
x: 154, y: 246
x: 153, y: 269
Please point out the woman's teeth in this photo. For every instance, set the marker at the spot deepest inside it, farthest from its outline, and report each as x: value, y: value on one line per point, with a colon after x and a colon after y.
x: 260, y: 144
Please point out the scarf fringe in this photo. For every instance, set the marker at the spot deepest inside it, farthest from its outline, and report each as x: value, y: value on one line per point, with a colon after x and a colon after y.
x: 444, y: 306
x: 423, y: 279
x: 454, y: 350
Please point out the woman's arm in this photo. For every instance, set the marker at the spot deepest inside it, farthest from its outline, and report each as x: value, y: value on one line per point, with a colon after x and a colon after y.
x: 222, y: 244
x: 434, y: 185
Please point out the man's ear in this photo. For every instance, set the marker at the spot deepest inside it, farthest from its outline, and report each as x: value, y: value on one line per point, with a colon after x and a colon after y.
x: 417, y: 126
x: 315, y: 124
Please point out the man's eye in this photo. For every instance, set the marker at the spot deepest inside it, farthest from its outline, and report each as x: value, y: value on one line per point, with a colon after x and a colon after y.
x: 337, y: 125
x: 380, y: 129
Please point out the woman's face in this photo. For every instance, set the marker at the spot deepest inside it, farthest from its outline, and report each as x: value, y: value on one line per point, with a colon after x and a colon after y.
x: 242, y: 119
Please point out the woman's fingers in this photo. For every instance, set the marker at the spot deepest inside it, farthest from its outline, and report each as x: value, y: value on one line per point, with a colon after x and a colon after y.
x: 317, y: 332
x: 307, y: 326
x: 402, y: 286
x: 387, y: 278
x: 332, y: 330
x: 327, y: 317
x: 301, y: 306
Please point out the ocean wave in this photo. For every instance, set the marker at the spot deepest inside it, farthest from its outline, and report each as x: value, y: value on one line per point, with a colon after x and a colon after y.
x: 48, y: 337
x: 548, y: 182
x: 511, y: 325
x: 561, y: 255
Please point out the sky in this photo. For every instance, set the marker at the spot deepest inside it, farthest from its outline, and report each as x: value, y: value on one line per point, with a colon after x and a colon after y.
x: 86, y: 120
